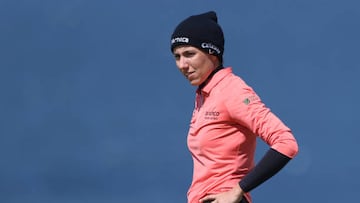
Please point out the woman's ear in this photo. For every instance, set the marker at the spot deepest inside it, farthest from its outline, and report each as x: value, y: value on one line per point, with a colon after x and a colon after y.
x: 215, y: 60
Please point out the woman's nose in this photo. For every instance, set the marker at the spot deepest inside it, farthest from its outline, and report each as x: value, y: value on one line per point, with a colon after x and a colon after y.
x: 182, y: 63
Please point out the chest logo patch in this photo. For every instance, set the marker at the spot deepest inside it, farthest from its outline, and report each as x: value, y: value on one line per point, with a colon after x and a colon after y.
x: 212, y: 115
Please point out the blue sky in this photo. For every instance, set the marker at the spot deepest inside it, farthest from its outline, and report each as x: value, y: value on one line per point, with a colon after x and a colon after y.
x: 92, y: 108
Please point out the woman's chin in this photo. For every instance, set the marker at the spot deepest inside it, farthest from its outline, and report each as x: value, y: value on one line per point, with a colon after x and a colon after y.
x: 194, y: 82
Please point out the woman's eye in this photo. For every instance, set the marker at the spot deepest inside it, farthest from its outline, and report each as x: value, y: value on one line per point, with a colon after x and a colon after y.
x: 189, y: 54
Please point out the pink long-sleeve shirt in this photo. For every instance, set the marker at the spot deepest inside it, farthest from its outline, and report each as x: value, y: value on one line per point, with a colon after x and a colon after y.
x: 227, y: 118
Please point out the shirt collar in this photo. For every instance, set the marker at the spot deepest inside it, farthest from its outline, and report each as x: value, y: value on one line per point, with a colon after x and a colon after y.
x: 215, y: 80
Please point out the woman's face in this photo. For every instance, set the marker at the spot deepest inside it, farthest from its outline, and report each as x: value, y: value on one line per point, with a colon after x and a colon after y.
x: 194, y: 64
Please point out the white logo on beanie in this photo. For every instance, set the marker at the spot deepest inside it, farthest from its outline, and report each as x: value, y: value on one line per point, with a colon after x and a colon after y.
x: 210, y: 46
x: 180, y: 40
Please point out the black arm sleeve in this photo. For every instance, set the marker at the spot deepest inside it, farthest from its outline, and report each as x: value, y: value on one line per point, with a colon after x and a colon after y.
x: 272, y: 162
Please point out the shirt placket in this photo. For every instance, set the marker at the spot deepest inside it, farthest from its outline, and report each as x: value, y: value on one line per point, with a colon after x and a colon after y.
x: 199, y: 101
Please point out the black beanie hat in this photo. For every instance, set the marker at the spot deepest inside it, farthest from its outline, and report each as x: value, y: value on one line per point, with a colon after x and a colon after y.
x: 201, y: 31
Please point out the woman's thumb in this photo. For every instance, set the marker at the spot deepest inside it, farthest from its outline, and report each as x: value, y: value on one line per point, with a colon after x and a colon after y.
x: 207, y: 199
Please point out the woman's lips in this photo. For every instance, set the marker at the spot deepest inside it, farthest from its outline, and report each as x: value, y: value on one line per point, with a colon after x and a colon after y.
x: 189, y: 75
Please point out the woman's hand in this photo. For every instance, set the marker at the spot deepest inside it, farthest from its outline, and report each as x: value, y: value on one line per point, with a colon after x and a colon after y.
x: 232, y: 196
